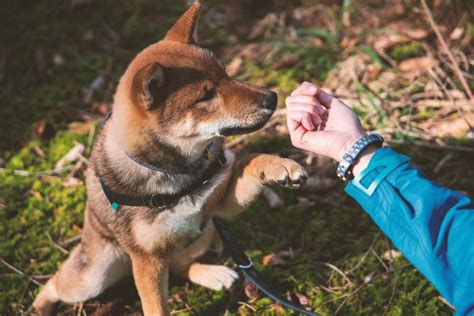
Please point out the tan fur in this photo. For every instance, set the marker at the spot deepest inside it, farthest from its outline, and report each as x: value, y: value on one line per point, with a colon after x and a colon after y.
x: 172, y: 107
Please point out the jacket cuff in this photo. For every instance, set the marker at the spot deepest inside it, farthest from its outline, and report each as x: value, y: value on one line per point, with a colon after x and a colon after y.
x: 384, y: 161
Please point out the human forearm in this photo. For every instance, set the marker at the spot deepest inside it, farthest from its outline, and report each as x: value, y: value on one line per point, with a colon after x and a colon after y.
x: 431, y: 225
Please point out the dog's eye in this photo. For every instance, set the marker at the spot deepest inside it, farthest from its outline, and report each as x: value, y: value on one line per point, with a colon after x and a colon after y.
x: 210, y: 94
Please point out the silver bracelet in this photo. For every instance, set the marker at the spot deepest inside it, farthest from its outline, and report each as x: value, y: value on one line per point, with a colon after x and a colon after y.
x: 350, y: 156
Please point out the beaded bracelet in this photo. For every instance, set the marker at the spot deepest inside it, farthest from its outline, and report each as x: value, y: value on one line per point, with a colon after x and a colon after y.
x: 350, y: 156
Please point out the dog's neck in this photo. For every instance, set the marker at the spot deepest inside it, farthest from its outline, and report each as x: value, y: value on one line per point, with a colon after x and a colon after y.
x: 174, y: 169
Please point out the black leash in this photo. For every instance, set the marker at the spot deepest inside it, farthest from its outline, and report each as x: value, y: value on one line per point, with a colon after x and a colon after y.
x: 246, y: 266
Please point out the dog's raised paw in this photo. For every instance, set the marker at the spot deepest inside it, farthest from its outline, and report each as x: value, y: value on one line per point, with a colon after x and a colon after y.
x: 285, y: 172
x: 214, y: 277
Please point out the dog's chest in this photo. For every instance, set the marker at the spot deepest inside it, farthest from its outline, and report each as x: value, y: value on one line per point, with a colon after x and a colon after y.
x: 178, y: 226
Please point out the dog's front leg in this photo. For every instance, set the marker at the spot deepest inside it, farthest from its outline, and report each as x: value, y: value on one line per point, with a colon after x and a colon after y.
x: 151, y: 278
x: 250, y: 174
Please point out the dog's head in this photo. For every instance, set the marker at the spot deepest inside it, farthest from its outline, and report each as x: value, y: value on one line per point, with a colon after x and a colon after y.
x: 181, y: 94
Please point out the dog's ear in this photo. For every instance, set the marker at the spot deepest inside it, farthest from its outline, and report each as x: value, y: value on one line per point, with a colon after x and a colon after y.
x: 185, y: 29
x: 149, y: 86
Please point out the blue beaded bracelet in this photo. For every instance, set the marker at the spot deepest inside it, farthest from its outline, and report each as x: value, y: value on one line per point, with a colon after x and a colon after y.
x: 351, y: 156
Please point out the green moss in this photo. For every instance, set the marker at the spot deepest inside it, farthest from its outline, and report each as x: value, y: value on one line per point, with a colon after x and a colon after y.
x: 405, y: 51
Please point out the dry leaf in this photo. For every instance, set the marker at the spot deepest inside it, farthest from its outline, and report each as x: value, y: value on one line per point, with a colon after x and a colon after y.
x: 302, y: 299
x: 72, y: 182
x: 391, y: 254
x: 38, y: 151
x: 418, y: 64
x: 457, y: 33
x: 101, y: 108
x: 286, y: 63
x: 43, y: 129
x: 251, y: 291
x: 455, y: 128
x: 277, y: 308
x: 387, y: 41
x: 273, y: 260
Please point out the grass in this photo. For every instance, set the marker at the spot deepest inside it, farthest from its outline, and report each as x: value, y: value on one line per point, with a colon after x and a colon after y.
x: 40, y: 213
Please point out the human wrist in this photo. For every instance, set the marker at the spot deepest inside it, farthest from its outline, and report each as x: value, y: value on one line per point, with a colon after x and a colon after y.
x: 364, y: 159
x: 347, y: 145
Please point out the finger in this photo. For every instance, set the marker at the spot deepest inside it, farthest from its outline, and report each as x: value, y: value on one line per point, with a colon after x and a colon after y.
x: 293, y: 121
x: 307, y: 122
x: 307, y: 99
x: 304, y: 107
x: 298, y: 118
x: 324, y: 98
x: 316, y: 120
x: 305, y: 88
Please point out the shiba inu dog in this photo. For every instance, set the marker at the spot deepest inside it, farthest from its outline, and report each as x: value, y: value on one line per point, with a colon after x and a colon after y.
x: 164, y: 142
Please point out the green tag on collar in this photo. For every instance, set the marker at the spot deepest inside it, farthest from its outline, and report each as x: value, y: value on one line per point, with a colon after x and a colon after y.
x: 115, y: 206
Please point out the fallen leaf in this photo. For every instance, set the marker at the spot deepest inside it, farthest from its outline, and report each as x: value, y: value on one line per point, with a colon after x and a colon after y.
x: 176, y: 298
x: 387, y: 41
x: 43, y: 129
x: 417, y: 64
x: 72, y: 182
x: 286, y: 63
x: 287, y: 253
x: 457, y: 33
x: 391, y: 254
x: 277, y: 308
x: 101, y: 108
x: 452, y: 127
x: 58, y: 59
x: 302, y: 299
x: 273, y: 260
x: 38, y: 151
x: 251, y: 291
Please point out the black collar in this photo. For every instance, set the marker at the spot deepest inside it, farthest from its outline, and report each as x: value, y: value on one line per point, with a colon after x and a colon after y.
x: 161, y: 201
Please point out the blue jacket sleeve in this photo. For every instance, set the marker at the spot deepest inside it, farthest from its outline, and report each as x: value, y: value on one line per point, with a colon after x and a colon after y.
x: 432, y: 226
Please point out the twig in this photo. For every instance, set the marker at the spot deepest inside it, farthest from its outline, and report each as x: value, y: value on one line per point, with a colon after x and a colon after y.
x: 248, y: 306
x: 430, y: 145
x: 379, y: 259
x: 394, y: 290
x: 365, y: 254
x: 446, y: 92
x: 443, y: 162
x: 55, y: 245
x: 25, y: 173
x: 445, y: 47
x: 70, y: 241
x: 337, y: 270
x: 18, y: 271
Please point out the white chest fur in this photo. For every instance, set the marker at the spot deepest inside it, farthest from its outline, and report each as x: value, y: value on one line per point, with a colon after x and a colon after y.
x: 181, y: 223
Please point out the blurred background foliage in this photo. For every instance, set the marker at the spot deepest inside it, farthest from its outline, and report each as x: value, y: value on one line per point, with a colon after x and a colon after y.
x: 60, y: 62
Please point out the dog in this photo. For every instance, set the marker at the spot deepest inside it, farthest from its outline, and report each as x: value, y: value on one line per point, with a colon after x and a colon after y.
x: 172, y: 108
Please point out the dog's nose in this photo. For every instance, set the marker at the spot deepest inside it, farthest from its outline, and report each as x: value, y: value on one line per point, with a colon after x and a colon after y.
x: 270, y: 101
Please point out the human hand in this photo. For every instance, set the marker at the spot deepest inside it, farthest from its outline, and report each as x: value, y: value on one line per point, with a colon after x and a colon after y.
x: 320, y: 123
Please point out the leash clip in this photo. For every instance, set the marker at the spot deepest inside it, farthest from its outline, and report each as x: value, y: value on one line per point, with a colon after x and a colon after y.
x: 246, y: 266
